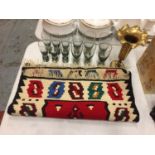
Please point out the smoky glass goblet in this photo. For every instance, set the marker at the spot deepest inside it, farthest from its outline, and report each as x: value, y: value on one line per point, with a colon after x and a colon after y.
x: 43, y: 51
x: 46, y: 39
x: 56, y: 46
x: 88, y: 51
x: 104, y: 52
x: 53, y: 53
x: 89, y: 46
x: 65, y: 51
x: 77, y: 47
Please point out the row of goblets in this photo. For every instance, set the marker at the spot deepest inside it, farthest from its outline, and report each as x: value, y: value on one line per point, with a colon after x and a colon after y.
x: 53, y: 49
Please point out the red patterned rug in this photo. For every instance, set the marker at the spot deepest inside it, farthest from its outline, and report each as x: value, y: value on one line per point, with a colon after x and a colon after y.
x: 80, y: 93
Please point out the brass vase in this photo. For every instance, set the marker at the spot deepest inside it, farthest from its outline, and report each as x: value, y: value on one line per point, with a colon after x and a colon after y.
x: 130, y: 37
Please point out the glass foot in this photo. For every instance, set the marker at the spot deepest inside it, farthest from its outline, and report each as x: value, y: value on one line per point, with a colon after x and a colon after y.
x: 116, y: 64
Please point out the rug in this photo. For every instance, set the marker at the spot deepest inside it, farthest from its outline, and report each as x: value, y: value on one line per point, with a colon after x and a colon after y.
x: 75, y: 93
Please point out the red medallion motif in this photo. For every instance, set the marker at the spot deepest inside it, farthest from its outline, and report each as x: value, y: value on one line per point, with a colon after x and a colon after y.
x: 115, y: 91
x: 76, y: 90
x: 35, y: 88
x: 76, y: 109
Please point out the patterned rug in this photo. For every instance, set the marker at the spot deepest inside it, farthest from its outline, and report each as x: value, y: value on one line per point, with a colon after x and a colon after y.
x: 79, y: 93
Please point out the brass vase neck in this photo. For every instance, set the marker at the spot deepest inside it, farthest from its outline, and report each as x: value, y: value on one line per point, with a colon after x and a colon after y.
x: 125, y: 50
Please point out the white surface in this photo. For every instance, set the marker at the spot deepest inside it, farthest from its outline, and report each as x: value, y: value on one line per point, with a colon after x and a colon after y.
x: 31, y: 125
x: 39, y: 29
x: 150, y: 100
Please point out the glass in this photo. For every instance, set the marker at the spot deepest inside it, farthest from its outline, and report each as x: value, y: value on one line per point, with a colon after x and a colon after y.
x: 104, y: 52
x: 55, y: 41
x: 65, y: 51
x: 77, y: 47
x: 46, y: 38
x: 56, y: 45
x: 105, y: 37
x: 43, y: 51
x: 53, y: 53
x: 89, y: 47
